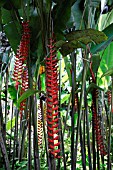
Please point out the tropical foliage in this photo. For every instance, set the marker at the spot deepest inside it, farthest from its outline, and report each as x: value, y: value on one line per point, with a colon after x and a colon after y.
x: 56, y: 84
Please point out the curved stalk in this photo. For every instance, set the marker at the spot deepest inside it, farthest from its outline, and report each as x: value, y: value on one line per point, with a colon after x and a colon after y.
x: 80, y: 110
x: 73, y: 57
x: 110, y: 123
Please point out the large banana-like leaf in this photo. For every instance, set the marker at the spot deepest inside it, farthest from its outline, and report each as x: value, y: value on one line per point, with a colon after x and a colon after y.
x: 109, y: 33
x: 80, y: 38
x: 11, y: 27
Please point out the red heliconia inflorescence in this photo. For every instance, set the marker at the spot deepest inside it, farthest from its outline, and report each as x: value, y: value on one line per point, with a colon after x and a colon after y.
x: 97, y: 124
x: 24, y: 87
x: 98, y: 132
x: 52, y: 88
x: 20, y: 74
x: 40, y: 127
x: 109, y: 97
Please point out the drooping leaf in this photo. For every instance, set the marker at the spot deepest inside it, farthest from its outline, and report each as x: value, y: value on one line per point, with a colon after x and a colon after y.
x: 64, y: 98
x: 42, y: 79
x: 13, y: 93
x: 8, y: 125
x: 108, y: 72
x: 96, y: 59
x: 2, y: 2
x: 16, y: 4
x: 12, y: 35
x: 109, y: 33
x: 86, y: 36
x: 79, y: 38
x: 93, y: 86
x: 68, y: 68
x: 63, y: 8
x: 26, y: 94
x: 76, y: 14
x: 12, y: 28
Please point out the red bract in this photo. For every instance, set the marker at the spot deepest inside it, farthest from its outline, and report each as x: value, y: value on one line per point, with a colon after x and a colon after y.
x: 109, y: 97
x: 20, y: 74
x: 40, y: 126
x: 52, y: 101
x: 98, y: 132
x: 24, y: 87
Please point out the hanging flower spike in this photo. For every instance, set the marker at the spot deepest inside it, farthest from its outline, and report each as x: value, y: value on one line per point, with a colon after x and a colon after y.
x: 25, y: 41
x: 40, y: 126
x: 24, y: 87
x: 20, y: 74
x: 22, y: 52
x: 52, y: 101
x: 109, y: 97
x: 97, y: 128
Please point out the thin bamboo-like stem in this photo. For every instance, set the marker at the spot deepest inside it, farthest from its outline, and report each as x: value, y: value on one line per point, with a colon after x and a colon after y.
x: 30, y: 103
x: 45, y: 136
x: 36, y: 149
x: 98, y: 157
x: 110, y: 123
x: 22, y: 141
x: 15, y: 139
x: 73, y: 58
x: 60, y: 126
x: 98, y: 160
x: 87, y: 128
x: 11, y: 130
x: 6, y: 102
x: 84, y: 132
x: 4, y: 152
x: 82, y: 149
x: 93, y: 145
x: 68, y: 108
x: 80, y: 110
x: 29, y: 135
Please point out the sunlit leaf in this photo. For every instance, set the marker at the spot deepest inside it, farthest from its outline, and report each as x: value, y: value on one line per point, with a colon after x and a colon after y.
x: 109, y: 33
x: 26, y: 94
x: 86, y: 36
x: 93, y: 86
x: 64, y: 98
x: 10, y: 123
x: 108, y: 72
x: 80, y: 38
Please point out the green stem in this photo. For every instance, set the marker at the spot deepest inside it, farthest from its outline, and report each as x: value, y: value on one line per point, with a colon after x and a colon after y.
x: 110, y: 124
x: 80, y: 110
x: 4, y: 152
x: 73, y: 57
x: 60, y: 126
x: 87, y: 128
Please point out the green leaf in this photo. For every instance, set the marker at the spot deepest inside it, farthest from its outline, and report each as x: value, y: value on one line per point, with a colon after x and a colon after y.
x: 12, y: 35
x: 16, y: 4
x: 63, y: 8
x: 8, y: 125
x: 79, y: 38
x: 26, y: 94
x: 93, y: 86
x: 69, y: 47
x: 12, y: 28
x: 108, y: 73
x: 2, y: 2
x: 96, y: 59
x: 60, y: 43
x: 68, y: 68
x: 87, y: 36
x: 42, y: 79
x: 109, y: 33
x: 13, y: 93
x: 64, y: 98
x: 76, y: 14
